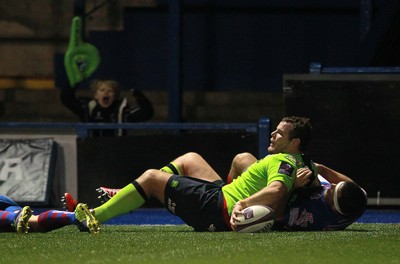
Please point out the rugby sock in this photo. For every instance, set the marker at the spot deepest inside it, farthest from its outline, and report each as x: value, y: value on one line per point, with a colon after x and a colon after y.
x: 54, y: 219
x: 171, y: 168
x: 126, y: 200
x: 7, y: 218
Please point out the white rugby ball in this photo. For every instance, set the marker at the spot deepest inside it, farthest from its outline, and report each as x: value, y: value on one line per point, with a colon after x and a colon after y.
x: 256, y: 218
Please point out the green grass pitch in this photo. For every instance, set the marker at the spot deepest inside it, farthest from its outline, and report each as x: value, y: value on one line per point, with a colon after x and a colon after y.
x: 359, y: 243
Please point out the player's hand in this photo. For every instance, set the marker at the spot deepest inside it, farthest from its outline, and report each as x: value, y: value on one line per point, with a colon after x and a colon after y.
x: 302, y: 177
x: 236, y: 212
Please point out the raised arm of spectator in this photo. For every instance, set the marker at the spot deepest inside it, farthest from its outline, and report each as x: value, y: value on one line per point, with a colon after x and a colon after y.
x: 69, y: 100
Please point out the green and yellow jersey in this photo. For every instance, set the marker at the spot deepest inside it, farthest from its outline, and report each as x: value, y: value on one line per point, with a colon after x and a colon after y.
x: 277, y: 167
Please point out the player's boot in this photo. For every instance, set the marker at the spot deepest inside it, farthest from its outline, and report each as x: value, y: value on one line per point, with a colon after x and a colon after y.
x: 69, y: 203
x: 106, y: 194
x: 86, y: 220
x: 21, y: 220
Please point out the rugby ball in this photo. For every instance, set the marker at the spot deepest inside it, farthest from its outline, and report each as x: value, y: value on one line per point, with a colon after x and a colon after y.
x: 256, y: 218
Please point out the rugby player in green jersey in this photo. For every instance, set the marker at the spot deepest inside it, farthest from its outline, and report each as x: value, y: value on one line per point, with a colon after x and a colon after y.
x: 189, y: 188
x: 333, y: 203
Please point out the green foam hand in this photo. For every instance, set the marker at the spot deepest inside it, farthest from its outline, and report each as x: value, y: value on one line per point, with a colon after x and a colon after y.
x: 81, y: 59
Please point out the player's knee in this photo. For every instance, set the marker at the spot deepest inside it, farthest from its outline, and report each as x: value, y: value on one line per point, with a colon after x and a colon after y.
x: 242, y: 159
x: 188, y: 159
x: 185, y: 159
x: 192, y: 156
x: 151, y: 175
x: 153, y: 182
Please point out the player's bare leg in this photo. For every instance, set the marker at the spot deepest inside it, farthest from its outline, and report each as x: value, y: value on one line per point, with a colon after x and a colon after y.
x: 190, y: 164
x: 193, y: 165
x: 239, y: 163
x: 153, y: 183
x: 150, y: 184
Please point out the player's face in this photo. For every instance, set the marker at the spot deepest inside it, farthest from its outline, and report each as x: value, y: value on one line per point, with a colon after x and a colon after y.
x: 280, y: 141
x: 105, y: 95
x: 328, y: 194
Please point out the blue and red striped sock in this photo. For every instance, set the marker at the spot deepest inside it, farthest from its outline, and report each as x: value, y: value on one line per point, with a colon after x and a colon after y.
x: 7, y: 218
x: 54, y: 219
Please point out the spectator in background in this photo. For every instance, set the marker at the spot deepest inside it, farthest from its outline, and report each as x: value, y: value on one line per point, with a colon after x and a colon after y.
x: 106, y: 106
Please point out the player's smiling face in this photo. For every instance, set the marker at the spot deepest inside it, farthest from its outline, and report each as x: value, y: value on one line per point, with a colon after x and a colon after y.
x: 105, y: 95
x: 280, y: 141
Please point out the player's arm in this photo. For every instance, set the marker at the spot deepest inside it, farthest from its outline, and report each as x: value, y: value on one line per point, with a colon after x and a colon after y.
x: 274, y: 195
x: 331, y: 175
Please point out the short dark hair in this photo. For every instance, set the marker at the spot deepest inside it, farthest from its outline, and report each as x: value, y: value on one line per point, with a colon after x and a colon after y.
x: 301, y: 129
x: 351, y: 199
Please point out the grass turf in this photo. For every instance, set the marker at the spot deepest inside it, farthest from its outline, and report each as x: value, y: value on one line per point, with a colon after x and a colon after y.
x: 359, y: 243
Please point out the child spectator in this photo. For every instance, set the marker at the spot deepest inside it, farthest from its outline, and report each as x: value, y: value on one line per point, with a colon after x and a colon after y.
x: 106, y: 106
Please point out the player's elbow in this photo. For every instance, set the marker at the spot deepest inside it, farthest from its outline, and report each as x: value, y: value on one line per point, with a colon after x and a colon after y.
x: 278, y: 188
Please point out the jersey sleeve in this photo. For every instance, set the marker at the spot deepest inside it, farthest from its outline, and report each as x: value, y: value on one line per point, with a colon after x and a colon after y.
x: 281, y: 168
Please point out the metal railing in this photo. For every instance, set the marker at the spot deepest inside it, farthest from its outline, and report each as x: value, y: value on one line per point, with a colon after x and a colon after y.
x: 262, y: 128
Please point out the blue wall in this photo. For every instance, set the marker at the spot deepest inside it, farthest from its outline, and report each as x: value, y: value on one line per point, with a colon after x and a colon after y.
x: 240, y: 46
x: 247, y: 45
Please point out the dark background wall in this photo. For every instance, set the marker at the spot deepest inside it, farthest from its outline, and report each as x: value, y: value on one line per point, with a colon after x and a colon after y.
x: 247, y: 45
x: 356, y: 124
x: 116, y: 162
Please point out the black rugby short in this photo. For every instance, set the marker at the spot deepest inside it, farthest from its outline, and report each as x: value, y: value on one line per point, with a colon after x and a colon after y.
x: 197, y: 202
